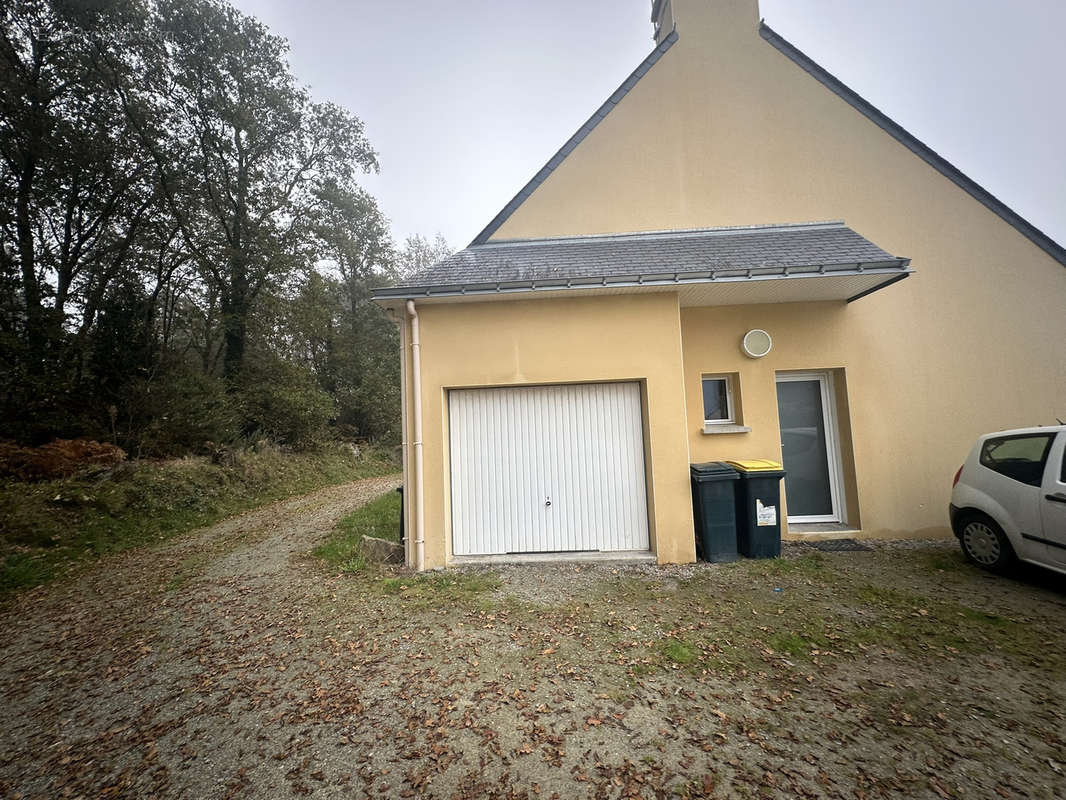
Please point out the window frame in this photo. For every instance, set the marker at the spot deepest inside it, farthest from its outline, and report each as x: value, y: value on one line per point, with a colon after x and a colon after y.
x: 985, y: 459
x: 730, y: 399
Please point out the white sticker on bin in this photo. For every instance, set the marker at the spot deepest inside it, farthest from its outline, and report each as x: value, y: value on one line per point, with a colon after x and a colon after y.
x: 765, y: 515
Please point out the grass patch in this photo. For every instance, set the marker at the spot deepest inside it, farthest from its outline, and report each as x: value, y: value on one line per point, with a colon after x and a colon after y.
x: 911, y: 622
x: 379, y: 518
x: 187, y: 569
x: 887, y: 597
x: 948, y: 561
x: 791, y: 644
x: 898, y: 711
x: 807, y: 565
x: 986, y: 618
x: 440, y: 588
x: 731, y: 621
x: 49, y: 528
x: 630, y: 590
x: 679, y: 652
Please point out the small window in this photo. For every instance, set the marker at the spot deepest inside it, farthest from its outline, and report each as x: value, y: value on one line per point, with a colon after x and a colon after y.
x: 1020, y: 458
x: 718, y: 399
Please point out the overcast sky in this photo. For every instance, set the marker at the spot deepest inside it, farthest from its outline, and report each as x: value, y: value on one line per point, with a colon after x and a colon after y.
x: 465, y: 101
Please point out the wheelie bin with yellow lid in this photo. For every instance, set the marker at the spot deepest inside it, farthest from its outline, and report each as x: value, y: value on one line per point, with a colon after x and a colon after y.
x: 758, y: 500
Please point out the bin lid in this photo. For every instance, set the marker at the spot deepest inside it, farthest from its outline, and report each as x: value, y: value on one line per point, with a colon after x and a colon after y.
x: 756, y: 465
x: 713, y: 471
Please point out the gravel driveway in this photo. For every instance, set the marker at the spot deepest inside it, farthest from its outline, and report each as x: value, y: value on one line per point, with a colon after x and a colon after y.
x: 230, y: 664
x: 167, y: 670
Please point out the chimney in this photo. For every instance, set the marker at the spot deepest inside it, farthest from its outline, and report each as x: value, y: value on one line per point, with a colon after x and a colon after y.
x: 662, y: 17
x: 704, y: 18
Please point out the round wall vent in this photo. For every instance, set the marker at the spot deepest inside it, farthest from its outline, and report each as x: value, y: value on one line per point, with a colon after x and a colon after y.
x: 757, y: 343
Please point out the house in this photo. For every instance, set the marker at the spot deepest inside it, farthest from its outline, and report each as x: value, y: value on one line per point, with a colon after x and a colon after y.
x: 713, y: 268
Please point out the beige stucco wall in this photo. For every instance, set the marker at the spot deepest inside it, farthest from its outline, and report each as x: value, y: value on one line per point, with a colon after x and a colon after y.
x: 725, y: 130
x: 807, y: 337
x: 574, y: 340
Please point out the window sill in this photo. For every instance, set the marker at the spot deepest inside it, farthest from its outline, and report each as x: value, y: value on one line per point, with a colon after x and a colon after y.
x: 710, y: 428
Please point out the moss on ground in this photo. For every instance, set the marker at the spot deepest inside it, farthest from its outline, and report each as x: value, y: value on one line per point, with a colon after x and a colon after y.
x: 679, y: 651
x: 803, y: 614
x: 442, y: 589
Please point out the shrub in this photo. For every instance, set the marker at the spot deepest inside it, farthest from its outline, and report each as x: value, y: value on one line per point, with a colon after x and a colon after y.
x: 181, y: 413
x: 283, y: 402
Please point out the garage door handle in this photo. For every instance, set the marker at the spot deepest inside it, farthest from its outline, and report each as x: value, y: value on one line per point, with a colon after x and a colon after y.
x: 1056, y: 498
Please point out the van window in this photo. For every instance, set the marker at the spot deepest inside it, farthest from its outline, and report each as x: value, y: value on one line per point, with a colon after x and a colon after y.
x: 1021, y: 458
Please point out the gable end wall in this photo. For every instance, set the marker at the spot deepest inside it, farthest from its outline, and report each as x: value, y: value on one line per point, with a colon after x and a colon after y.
x: 728, y: 130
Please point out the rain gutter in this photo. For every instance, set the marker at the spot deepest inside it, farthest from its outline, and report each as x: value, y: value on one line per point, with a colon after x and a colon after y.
x: 897, y: 269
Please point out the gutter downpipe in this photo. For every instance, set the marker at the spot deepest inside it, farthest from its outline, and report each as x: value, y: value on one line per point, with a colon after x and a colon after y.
x: 416, y: 400
x: 400, y: 318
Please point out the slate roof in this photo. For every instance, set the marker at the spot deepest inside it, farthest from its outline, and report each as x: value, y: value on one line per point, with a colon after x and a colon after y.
x: 636, y: 257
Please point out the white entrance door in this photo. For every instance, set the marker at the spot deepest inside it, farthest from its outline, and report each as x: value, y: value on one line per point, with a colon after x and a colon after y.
x: 809, y: 449
x: 545, y: 469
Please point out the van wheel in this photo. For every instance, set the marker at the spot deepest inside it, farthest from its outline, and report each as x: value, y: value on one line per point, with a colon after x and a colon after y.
x: 984, y: 543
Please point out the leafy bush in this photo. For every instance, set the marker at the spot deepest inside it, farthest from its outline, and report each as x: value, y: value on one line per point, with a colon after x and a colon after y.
x: 180, y: 413
x: 283, y: 402
x: 371, y: 407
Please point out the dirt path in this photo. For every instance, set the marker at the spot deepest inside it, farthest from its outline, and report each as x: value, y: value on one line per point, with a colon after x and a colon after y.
x: 230, y: 664
x: 108, y: 681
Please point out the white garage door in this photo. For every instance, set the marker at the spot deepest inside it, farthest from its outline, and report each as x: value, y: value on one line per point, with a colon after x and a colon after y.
x: 547, y: 469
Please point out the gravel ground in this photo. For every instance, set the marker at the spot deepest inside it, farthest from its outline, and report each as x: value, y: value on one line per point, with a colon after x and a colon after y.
x: 230, y: 664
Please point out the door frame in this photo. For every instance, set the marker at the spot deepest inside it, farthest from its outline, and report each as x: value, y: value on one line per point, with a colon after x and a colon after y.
x: 834, y: 462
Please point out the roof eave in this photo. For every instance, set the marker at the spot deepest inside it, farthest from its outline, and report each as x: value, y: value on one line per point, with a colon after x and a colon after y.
x: 895, y: 269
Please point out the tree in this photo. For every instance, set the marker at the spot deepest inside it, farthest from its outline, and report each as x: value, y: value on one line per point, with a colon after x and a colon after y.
x: 418, y: 252
x: 245, y: 156
x: 185, y: 253
x: 74, y: 186
x: 353, y: 237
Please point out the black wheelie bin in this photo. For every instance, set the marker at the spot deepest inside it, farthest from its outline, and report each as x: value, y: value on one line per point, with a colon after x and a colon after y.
x: 714, y: 510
